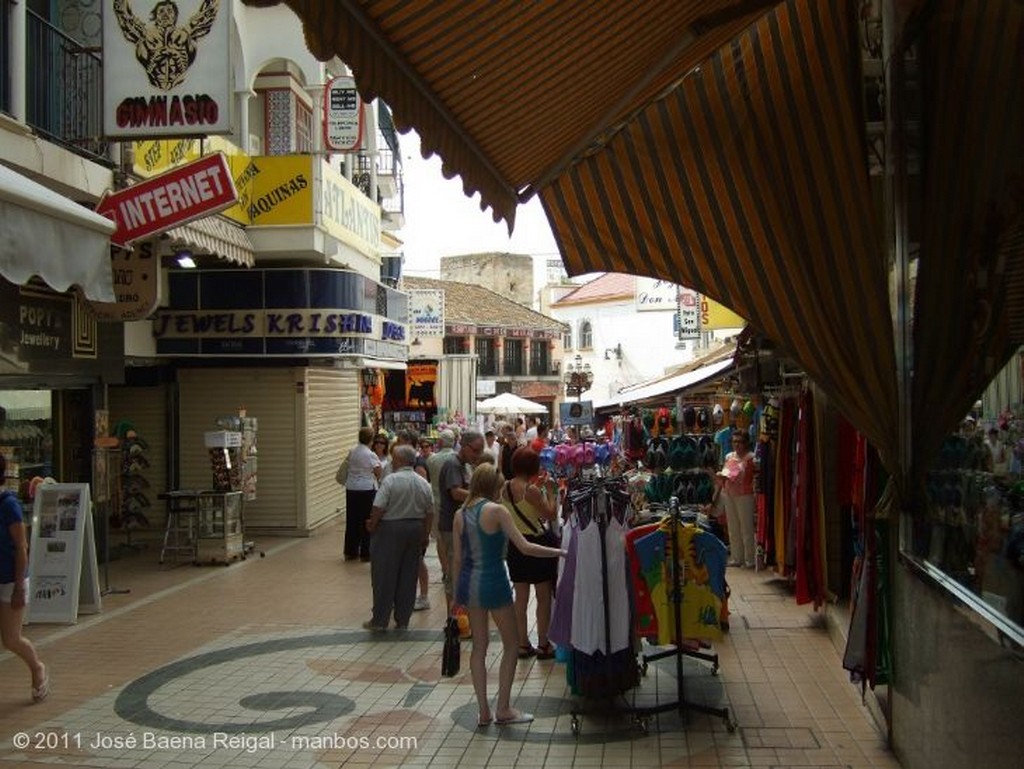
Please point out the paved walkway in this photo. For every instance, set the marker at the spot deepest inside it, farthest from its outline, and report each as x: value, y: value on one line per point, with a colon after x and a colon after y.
x: 263, y: 664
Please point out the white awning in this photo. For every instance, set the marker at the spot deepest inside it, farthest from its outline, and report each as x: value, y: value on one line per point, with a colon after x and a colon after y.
x: 44, y: 233
x: 677, y: 383
x: 217, y: 236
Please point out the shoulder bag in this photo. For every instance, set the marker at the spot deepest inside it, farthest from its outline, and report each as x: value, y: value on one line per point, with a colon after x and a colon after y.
x: 541, y: 534
x: 342, y: 475
x: 451, y: 655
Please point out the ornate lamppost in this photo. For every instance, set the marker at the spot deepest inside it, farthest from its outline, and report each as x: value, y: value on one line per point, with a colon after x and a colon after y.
x: 577, y: 378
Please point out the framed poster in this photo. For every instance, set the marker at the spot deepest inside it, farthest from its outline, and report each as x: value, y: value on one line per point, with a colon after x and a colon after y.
x: 62, y: 568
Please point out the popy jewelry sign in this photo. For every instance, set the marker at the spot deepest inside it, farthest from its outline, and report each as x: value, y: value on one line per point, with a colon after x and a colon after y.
x: 166, y: 68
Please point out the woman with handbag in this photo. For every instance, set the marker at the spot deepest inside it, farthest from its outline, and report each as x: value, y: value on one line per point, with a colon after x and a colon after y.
x: 533, y: 507
x: 362, y: 475
x: 481, y: 530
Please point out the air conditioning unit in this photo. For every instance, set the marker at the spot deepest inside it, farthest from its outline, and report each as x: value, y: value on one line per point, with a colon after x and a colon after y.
x: 255, y: 144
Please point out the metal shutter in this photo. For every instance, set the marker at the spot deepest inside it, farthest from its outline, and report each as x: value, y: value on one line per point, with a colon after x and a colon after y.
x: 274, y: 397
x: 332, y: 423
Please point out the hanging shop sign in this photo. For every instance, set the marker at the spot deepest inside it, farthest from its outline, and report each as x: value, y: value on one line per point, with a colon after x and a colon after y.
x: 166, y: 68
x: 343, y: 115
x: 63, y: 575
x: 655, y: 295
x: 137, y: 280
x: 281, y: 312
x: 689, y: 314
x: 420, y: 384
x: 576, y: 413
x: 170, y: 199
x: 426, y: 312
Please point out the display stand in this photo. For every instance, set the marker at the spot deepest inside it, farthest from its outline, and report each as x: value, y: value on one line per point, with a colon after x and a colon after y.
x: 106, y: 492
x: 641, y: 713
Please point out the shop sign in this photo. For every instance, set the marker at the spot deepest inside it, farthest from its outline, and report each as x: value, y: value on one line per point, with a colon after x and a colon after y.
x: 170, y: 199
x: 461, y: 329
x: 343, y: 115
x: 689, y: 314
x: 576, y: 413
x: 278, y: 190
x: 714, y: 315
x: 137, y: 279
x: 486, y: 388
x: 166, y: 68
x: 420, y: 383
x: 426, y: 312
x: 653, y: 294
x: 347, y: 214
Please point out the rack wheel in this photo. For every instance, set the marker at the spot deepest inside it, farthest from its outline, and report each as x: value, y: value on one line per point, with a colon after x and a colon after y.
x: 730, y: 725
x: 643, y: 668
x: 642, y: 723
x: 714, y: 669
x: 575, y: 726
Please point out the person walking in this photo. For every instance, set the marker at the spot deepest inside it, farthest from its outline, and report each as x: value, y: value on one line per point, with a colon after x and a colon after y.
x: 454, y: 487
x: 14, y: 588
x: 400, y: 525
x: 481, y: 530
x: 532, y: 506
x: 738, y: 496
x: 437, y: 460
x: 420, y: 467
x: 364, y: 470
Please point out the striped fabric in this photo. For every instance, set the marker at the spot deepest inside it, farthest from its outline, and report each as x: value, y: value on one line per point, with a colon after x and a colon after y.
x: 749, y: 183
x: 507, y: 92
x: 970, y: 285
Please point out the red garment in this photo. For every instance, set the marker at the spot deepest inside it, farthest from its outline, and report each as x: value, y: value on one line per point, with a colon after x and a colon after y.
x: 645, y: 620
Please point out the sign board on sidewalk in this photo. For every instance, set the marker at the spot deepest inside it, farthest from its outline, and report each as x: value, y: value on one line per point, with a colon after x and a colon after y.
x: 343, y: 115
x: 62, y: 568
x: 182, y: 194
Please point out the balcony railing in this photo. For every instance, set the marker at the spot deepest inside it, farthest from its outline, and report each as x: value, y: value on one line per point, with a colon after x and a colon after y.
x: 63, y: 89
x: 5, y: 56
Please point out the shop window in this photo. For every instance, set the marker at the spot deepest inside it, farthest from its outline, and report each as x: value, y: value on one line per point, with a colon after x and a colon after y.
x: 586, y: 335
x: 540, y: 358
x: 456, y: 345
x: 487, y: 357
x: 968, y: 532
x: 26, y: 437
x: 515, y: 363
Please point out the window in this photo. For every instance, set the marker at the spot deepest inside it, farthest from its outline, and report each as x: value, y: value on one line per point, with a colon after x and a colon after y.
x: 303, y: 128
x: 567, y: 339
x: 456, y: 345
x: 515, y: 365
x: 586, y: 335
x: 540, y: 360
x: 487, y: 357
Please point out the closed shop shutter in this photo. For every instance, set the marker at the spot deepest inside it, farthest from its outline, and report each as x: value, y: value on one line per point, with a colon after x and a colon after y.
x: 332, y: 423
x: 274, y: 397
x: 146, y: 409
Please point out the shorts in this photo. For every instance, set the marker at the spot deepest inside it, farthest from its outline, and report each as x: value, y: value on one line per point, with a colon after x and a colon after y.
x: 7, y: 590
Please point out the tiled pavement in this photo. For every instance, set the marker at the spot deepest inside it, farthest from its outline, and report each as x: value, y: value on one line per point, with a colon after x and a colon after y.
x: 263, y: 664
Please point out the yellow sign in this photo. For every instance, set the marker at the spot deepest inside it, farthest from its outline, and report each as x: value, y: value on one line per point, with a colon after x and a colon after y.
x: 156, y: 156
x: 274, y: 190
x: 714, y: 315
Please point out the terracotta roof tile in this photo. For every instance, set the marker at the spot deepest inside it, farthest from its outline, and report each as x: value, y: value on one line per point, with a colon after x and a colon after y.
x: 611, y: 285
x: 471, y: 304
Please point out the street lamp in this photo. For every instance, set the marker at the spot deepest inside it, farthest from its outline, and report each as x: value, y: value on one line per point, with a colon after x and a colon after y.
x: 578, y: 378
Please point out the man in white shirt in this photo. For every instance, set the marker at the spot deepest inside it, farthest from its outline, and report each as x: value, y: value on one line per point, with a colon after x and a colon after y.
x: 400, y: 524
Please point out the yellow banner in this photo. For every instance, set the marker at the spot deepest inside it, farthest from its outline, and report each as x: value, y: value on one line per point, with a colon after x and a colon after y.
x: 349, y: 215
x: 275, y: 190
x: 715, y: 315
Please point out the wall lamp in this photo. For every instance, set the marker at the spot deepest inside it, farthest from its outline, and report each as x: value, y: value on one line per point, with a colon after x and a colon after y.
x: 616, y: 351
x: 185, y: 260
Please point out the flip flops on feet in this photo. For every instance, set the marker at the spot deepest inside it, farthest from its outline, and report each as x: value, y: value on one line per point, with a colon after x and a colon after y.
x: 41, y: 692
x: 483, y: 723
x: 515, y: 717
x: 525, y: 652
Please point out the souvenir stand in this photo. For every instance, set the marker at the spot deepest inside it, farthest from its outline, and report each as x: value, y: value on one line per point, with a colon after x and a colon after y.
x: 605, y: 655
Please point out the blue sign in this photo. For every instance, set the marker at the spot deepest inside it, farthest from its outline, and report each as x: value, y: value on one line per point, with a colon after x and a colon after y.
x: 576, y: 413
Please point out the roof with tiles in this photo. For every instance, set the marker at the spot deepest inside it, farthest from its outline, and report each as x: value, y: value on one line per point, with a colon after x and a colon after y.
x: 475, y: 305
x: 611, y: 285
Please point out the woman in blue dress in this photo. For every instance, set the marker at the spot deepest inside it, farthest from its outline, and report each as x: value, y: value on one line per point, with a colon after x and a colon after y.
x: 481, y: 530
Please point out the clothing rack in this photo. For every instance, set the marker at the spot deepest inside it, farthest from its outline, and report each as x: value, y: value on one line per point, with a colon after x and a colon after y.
x: 641, y: 714
x: 678, y: 652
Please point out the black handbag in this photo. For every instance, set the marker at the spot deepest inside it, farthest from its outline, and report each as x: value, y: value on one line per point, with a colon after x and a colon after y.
x: 544, y: 536
x: 451, y: 655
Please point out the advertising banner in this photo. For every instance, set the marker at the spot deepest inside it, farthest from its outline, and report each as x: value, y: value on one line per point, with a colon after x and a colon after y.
x: 420, y: 385
x: 166, y: 68
x: 426, y: 312
x: 689, y: 314
x: 714, y: 315
x: 343, y: 115
x: 653, y: 294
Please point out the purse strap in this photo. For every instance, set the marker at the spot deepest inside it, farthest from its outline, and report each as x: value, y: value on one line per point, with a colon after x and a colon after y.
x: 523, y: 518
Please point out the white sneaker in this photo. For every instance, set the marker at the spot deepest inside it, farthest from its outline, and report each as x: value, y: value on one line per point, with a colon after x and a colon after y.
x: 421, y: 603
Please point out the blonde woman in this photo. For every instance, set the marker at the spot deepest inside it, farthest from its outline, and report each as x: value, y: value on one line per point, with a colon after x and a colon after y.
x: 481, y: 530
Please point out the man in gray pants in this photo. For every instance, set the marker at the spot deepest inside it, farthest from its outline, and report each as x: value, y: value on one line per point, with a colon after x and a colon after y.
x: 400, y: 522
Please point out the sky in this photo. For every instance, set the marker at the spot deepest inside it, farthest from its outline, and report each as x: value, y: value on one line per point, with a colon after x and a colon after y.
x: 440, y: 220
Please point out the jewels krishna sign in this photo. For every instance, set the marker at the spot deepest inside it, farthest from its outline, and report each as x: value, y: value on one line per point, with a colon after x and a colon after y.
x: 166, y: 68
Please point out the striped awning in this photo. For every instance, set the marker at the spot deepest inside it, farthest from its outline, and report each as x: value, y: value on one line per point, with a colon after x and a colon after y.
x: 217, y: 236
x: 748, y: 182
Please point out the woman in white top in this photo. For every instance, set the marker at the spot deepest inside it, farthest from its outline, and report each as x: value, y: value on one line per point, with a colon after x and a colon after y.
x: 364, y: 469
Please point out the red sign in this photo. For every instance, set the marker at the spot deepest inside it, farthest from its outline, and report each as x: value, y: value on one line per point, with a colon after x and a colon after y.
x: 178, y: 196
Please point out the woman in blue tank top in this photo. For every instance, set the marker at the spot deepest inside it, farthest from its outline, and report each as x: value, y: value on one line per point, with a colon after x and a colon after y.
x: 482, y: 527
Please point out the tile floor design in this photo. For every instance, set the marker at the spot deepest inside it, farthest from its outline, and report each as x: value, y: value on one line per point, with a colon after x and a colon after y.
x: 262, y: 664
